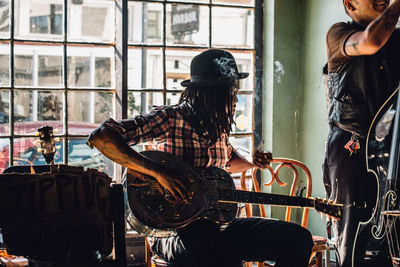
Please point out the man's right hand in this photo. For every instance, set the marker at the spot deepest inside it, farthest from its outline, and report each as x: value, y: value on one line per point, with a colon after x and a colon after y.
x: 111, y: 144
x: 178, y: 187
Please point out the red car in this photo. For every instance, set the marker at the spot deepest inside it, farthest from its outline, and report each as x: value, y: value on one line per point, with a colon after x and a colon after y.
x: 26, y: 150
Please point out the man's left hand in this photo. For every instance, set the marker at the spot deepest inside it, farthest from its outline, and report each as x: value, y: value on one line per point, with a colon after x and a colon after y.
x: 261, y: 159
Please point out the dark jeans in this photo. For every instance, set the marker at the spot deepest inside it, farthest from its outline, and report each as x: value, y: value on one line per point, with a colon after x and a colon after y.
x: 207, y: 244
x: 347, y: 181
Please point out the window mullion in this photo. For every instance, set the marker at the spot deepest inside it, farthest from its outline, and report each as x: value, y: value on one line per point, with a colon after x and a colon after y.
x: 164, y: 54
x: 210, y: 25
x: 12, y: 83
x: 258, y: 72
x: 121, y: 66
x: 121, y: 58
x: 65, y: 82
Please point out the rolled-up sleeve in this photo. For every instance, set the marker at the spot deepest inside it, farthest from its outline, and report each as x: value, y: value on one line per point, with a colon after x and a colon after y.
x: 143, y: 128
x: 220, y: 152
x: 336, y: 39
x: 229, y: 150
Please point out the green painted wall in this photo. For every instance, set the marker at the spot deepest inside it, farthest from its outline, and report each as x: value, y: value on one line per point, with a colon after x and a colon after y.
x: 286, y: 86
x: 294, y: 109
x: 286, y: 89
x: 319, y: 15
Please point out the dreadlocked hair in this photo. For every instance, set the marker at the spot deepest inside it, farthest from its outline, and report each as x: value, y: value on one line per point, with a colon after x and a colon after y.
x: 212, y: 106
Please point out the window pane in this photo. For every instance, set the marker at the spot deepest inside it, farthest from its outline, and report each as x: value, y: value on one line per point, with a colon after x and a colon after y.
x: 142, y: 103
x: 81, y: 128
x: 31, y: 127
x: 242, y: 144
x: 90, y: 108
x: 245, y: 63
x: 103, y: 71
x: 41, y: 20
x: 38, y: 107
x: 38, y: 65
x: 243, y: 114
x: 90, y: 67
x: 4, y: 153
x: 173, y: 98
x: 79, y: 71
x: 234, y: 2
x: 187, y: 25
x: 49, y: 106
x: 145, y: 23
x: 80, y: 154
x: 194, y: 1
x: 26, y: 152
x: 178, y: 66
x: 4, y: 111
x: 145, y: 68
x: 23, y: 65
x: 91, y: 20
x: 50, y: 71
x: 4, y: 65
x: 232, y: 27
x: 4, y: 19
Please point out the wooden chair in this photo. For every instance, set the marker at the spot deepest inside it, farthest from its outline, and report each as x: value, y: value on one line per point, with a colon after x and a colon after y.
x: 153, y: 260
x: 320, y: 243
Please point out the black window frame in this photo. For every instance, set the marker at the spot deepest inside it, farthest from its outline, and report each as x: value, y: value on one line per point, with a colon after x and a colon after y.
x: 121, y: 47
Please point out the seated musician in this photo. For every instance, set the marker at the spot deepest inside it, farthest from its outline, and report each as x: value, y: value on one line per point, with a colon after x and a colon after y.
x: 196, y: 130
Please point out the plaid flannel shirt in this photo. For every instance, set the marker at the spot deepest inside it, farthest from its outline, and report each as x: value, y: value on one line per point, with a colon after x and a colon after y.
x: 170, y: 132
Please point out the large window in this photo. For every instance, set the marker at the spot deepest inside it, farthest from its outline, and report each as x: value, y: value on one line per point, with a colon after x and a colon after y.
x: 71, y: 64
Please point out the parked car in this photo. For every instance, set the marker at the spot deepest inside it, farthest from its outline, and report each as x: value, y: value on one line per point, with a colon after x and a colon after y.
x: 27, y: 152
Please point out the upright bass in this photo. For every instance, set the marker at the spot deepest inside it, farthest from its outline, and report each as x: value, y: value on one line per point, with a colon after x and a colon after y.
x: 383, y: 161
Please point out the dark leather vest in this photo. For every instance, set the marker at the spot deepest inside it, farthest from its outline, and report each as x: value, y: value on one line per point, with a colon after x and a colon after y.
x: 357, y: 92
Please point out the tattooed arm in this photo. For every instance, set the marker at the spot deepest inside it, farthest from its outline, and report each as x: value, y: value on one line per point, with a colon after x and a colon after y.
x: 110, y: 143
x: 369, y: 41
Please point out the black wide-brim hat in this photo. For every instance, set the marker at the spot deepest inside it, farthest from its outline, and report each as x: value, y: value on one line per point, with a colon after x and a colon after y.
x: 213, y: 67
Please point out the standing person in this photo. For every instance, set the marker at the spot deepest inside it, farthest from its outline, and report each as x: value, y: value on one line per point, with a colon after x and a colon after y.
x: 363, y: 66
x: 196, y: 130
